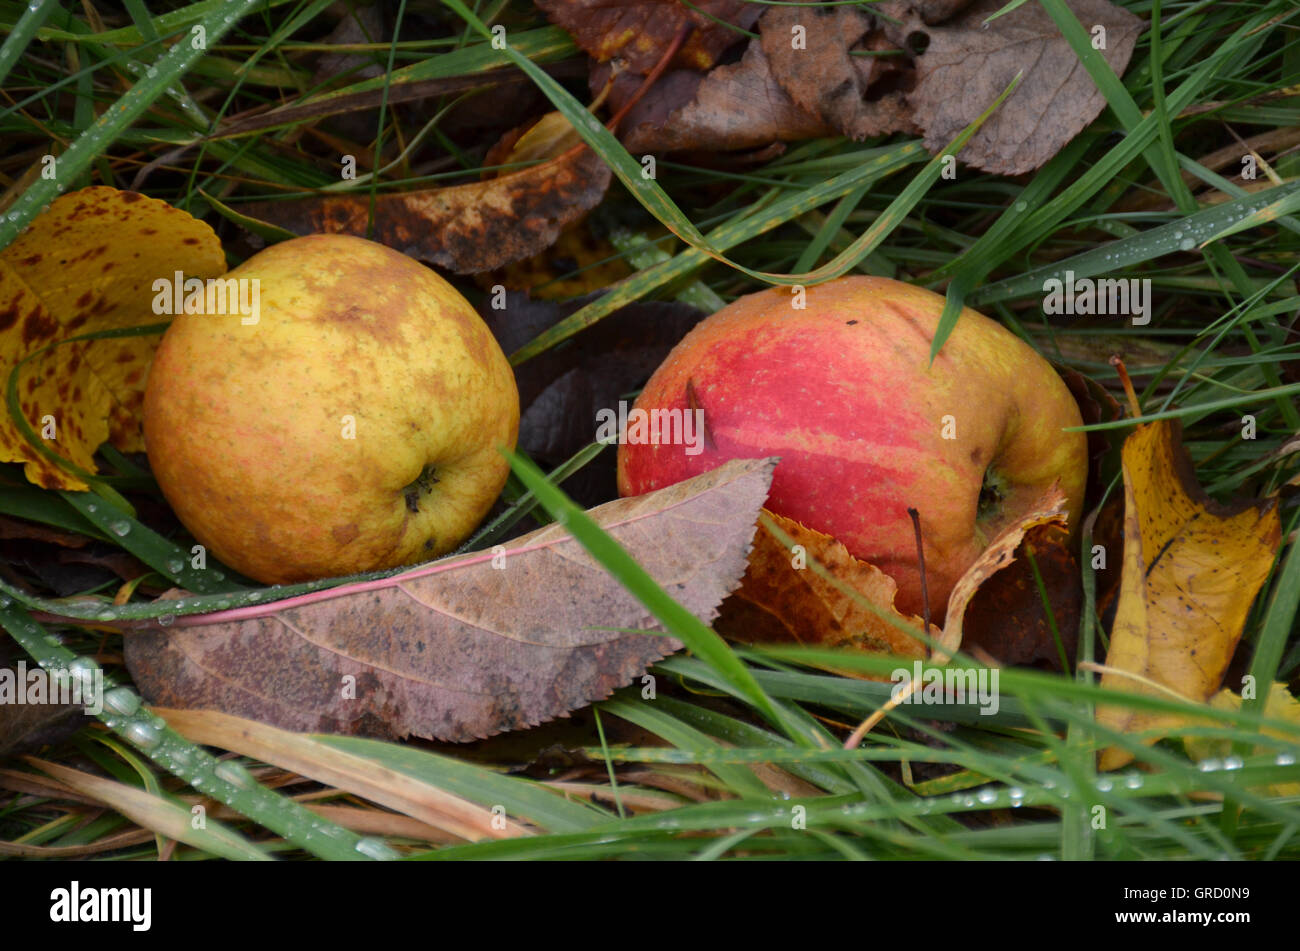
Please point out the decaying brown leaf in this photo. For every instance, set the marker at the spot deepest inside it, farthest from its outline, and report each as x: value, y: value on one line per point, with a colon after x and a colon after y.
x: 816, y: 594
x: 465, y: 647
x: 784, y: 597
x: 465, y: 228
x: 738, y: 106
x: 822, y: 78
x: 88, y: 264
x: 1001, y: 553
x: 1192, y: 567
x: 806, y: 77
x: 967, y: 65
x: 639, y: 32
x: 1007, y: 619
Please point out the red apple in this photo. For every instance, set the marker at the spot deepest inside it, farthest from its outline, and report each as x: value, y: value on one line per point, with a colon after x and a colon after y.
x: 843, y: 391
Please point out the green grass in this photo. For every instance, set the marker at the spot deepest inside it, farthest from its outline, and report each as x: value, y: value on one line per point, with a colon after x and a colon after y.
x: 749, y: 759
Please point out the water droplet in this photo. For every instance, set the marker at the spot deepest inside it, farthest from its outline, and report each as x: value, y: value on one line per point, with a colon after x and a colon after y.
x: 92, y: 507
x: 255, y: 596
x: 988, y: 796
x: 1285, y: 759
x: 120, y: 529
x: 106, y: 615
x: 1133, y: 780
x: 1021, y: 205
x: 968, y: 802
x: 223, y: 604
x: 219, y: 575
x: 5, y: 602
x: 1187, y: 244
x: 1177, y: 235
x: 376, y: 849
x: 151, y: 72
x: 122, y: 700
x: 235, y: 774
x: 1233, y: 762
x: 175, y: 566
x: 1105, y: 785
x: 143, y: 735
x: 1017, y: 797
x: 165, y: 619
x: 1209, y: 765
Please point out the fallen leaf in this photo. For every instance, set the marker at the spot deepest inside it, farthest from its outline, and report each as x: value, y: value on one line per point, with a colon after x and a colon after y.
x: 779, y: 600
x: 968, y: 63
x: 819, y: 595
x: 1007, y: 619
x: 1191, y: 569
x: 822, y: 78
x: 639, y: 32
x: 1280, y: 705
x: 738, y: 106
x: 467, y: 228
x: 461, y: 648
x: 89, y: 264
x: 1001, y: 553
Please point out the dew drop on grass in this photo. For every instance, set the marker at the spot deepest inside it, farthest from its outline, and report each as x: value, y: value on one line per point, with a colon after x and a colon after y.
x: 165, y: 619
x: 988, y: 796
x: 1186, y: 244
x: 1285, y: 759
x: 1233, y: 762
x: 236, y: 775
x: 375, y: 849
x: 1105, y: 785
x: 120, y: 529
x: 92, y: 507
x: 143, y: 735
x: 1133, y: 781
x: 1021, y: 205
x: 1017, y: 797
x: 175, y: 566
x: 122, y: 700
x: 1209, y: 765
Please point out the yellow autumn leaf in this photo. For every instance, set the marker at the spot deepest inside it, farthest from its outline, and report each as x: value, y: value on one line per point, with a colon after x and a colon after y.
x: 1191, y: 569
x: 1279, y: 706
x: 89, y: 264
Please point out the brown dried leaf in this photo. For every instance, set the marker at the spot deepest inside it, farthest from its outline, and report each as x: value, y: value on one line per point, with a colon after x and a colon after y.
x: 1006, y: 618
x: 465, y: 228
x: 816, y: 595
x: 822, y: 78
x: 739, y: 106
x: 639, y: 32
x: 968, y: 64
x: 460, y: 649
x: 1000, y: 554
x: 1192, y: 568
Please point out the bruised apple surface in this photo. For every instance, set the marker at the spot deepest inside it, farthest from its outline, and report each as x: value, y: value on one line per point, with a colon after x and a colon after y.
x: 844, y: 392
x: 352, y: 423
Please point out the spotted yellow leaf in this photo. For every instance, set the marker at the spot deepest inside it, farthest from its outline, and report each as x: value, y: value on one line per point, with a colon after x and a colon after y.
x: 89, y: 264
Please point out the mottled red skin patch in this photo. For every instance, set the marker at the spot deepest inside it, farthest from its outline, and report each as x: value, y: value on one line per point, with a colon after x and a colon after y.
x: 843, y: 392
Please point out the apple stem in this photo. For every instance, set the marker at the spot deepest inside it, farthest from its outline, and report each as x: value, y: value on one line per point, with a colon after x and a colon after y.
x: 920, y: 560
x: 1127, y: 383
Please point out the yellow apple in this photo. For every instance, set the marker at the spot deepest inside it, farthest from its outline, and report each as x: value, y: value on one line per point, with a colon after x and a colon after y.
x: 349, y: 421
